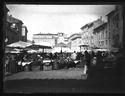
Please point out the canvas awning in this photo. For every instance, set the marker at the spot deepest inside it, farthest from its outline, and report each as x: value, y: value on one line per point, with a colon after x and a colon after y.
x: 63, y: 49
x: 84, y: 45
x: 19, y: 44
x: 41, y: 45
x: 32, y: 51
x: 61, y: 45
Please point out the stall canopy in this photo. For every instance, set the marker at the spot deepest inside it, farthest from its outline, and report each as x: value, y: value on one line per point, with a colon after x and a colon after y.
x: 83, y: 45
x: 63, y: 49
x: 101, y: 49
x: 114, y: 49
x: 61, y: 45
x: 94, y: 47
x: 31, y: 51
x: 40, y: 51
x: 19, y: 44
x: 12, y: 51
x: 40, y: 45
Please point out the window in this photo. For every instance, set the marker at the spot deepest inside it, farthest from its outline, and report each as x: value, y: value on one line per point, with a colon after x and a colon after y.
x: 106, y: 34
x: 102, y: 43
x: 99, y: 43
x: 117, y: 20
x: 106, y: 42
x: 102, y: 36
x: 109, y: 41
x: 109, y: 35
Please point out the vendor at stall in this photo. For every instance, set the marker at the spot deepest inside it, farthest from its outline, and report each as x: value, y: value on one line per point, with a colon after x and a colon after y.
x: 73, y: 56
x: 41, y: 63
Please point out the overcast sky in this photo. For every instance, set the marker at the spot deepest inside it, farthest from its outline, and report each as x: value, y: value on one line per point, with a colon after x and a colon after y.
x: 57, y: 18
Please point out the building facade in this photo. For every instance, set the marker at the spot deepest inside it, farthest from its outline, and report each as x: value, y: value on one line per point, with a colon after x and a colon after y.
x: 101, y: 36
x: 13, y: 29
x: 74, y: 42
x: 87, y: 32
x: 62, y: 38
x: 50, y: 38
x: 87, y: 35
x: 115, y: 27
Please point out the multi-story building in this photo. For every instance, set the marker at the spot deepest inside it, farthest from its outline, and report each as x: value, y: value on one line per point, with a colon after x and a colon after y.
x: 13, y: 29
x: 105, y: 34
x: 62, y: 38
x: 115, y: 27
x: 75, y: 41
x: 50, y: 38
x: 87, y: 32
x: 101, y: 36
x: 87, y: 35
x: 66, y: 40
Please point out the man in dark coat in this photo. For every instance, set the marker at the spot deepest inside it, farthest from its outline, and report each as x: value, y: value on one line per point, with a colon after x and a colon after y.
x: 90, y: 68
x: 88, y: 58
x: 99, y: 60
x: 41, y: 63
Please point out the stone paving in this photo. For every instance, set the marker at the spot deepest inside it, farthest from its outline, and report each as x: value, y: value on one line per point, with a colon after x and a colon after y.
x: 72, y: 73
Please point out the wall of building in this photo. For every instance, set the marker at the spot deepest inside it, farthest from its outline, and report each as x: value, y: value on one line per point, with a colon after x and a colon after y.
x: 11, y: 35
x: 14, y: 32
x: 75, y: 41
x: 50, y: 38
x: 13, y: 29
x: 75, y: 44
x: 61, y: 37
x: 101, y: 36
x: 115, y: 27
x: 88, y: 37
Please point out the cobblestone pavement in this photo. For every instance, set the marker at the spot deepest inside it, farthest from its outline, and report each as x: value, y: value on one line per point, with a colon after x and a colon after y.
x: 72, y: 73
x: 66, y: 80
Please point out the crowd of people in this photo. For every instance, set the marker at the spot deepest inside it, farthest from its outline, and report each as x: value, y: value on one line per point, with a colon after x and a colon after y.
x: 93, y: 60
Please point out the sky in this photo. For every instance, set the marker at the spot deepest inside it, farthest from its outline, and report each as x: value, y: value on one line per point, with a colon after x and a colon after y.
x: 57, y: 18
